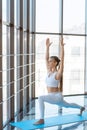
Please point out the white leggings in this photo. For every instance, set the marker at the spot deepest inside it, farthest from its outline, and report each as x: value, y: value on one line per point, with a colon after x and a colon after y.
x: 54, y: 98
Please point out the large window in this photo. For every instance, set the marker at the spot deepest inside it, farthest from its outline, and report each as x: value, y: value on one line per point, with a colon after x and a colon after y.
x: 74, y: 16
x: 48, y: 17
x: 24, y: 27
x: 17, y: 58
x: 73, y: 79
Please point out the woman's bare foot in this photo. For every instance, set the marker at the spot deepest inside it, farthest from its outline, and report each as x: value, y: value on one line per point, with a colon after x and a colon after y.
x: 41, y: 121
x: 81, y: 110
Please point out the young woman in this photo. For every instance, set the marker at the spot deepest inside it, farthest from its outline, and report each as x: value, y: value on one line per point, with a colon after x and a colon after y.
x: 54, y: 72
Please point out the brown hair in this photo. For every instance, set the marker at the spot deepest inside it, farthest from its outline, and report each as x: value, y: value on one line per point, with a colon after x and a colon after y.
x: 56, y: 59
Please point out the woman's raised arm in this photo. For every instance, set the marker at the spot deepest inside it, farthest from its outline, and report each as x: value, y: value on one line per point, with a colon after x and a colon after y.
x: 60, y: 70
x: 47, y: 51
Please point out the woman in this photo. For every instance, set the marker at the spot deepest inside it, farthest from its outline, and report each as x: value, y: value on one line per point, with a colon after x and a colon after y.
x: 54, y: 73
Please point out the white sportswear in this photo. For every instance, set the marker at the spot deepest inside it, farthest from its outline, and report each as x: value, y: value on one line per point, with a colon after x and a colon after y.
x: 54, y: 97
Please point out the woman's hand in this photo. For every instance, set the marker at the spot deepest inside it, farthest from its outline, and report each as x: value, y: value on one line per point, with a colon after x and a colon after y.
x: 61, y: 41
x: 48, y: 43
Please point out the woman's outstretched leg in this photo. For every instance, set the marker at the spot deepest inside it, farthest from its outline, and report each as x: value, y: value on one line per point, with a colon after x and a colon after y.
x: 57, y: 99
x: 63, y: 103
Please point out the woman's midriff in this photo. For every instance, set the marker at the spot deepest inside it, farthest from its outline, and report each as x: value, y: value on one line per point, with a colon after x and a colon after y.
x: 52, y: 89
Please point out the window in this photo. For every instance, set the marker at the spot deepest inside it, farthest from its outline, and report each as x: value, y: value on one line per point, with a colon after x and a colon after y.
x: 74, y: 16
x: 74, y: 62
x: 48, y: 21
x: 47, y: 16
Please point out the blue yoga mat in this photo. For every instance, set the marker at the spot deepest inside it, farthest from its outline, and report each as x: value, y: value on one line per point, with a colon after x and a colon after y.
x: 51, y: 121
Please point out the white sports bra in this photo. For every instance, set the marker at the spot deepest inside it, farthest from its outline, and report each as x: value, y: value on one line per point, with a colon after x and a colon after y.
x: 51, y: 81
